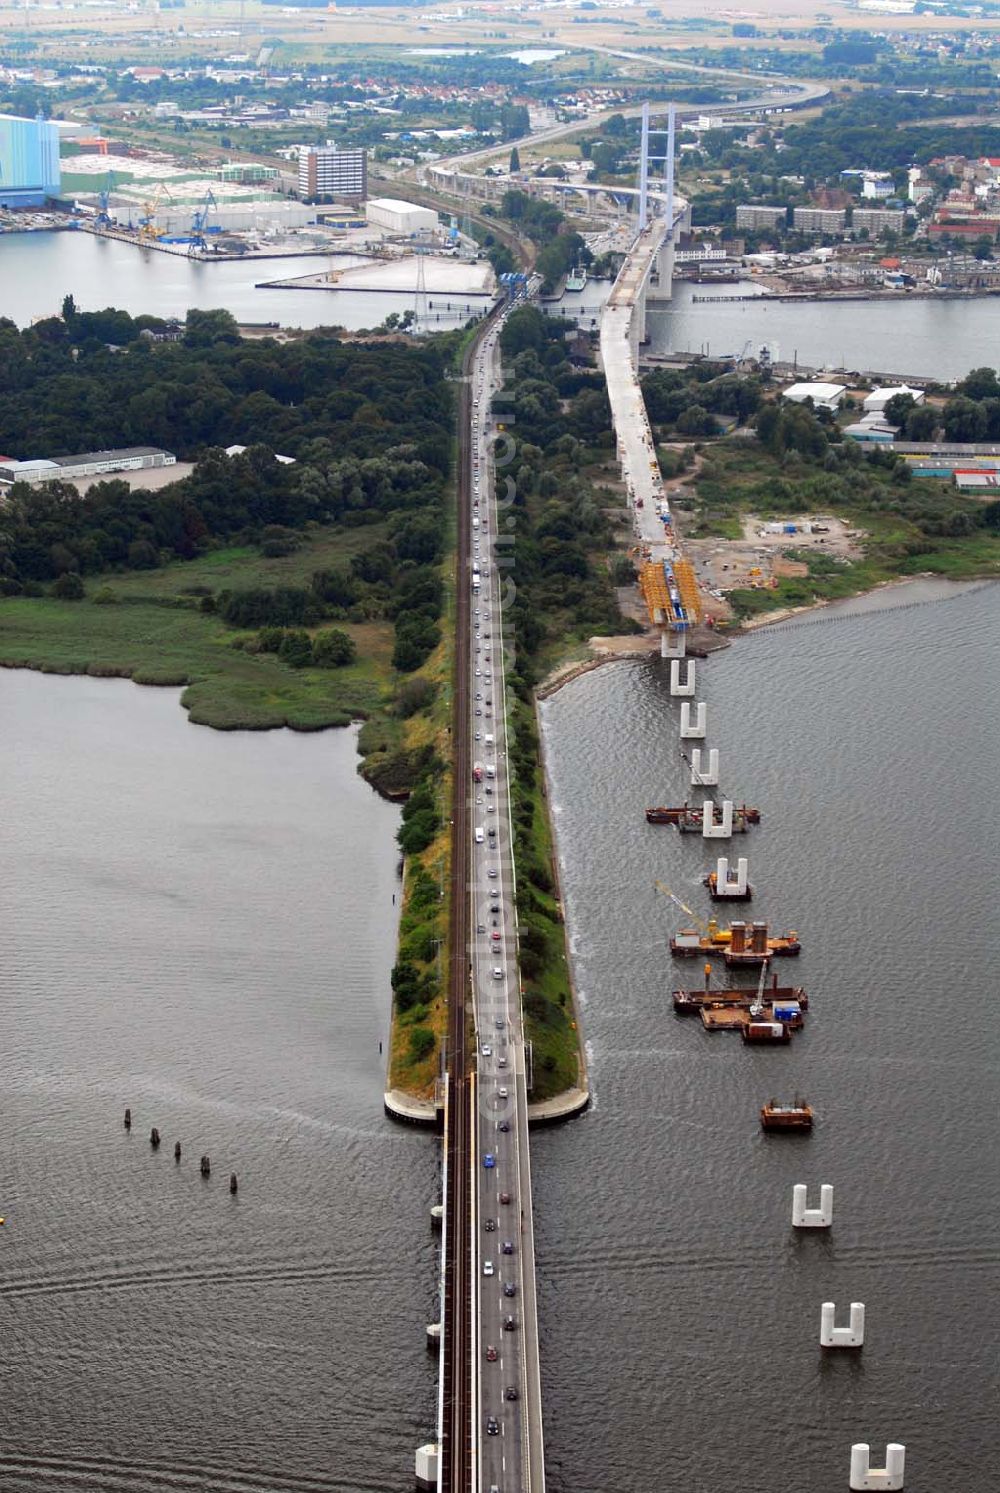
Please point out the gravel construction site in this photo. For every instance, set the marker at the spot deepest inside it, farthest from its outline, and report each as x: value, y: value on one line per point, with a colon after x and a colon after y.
x: 767, y: 551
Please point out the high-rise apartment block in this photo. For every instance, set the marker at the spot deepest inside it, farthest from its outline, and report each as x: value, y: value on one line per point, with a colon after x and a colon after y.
x: 326, y: 173
x: 753, y: 216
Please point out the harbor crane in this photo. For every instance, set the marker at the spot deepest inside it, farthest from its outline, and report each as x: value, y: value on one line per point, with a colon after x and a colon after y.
x: 199, y: 222
x: 147, y: 220
x: 103, y: 219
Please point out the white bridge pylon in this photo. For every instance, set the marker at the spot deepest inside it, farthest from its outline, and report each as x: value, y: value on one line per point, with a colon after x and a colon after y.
x: 709, y: 829
x: 708, y: 776
x: 677, y: 687
x: 696, y: 728
x: 868, y: 1479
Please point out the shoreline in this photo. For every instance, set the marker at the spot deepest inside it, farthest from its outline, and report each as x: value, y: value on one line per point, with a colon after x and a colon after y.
x: 878, y: 598
x: 820, y: 297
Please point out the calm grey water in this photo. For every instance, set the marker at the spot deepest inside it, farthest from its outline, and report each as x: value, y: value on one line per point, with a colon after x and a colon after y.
x: 38, y: 269
x: 200, y: 926
x: 942, y: 339
x: 929, y: 338
x: 680, y: 1313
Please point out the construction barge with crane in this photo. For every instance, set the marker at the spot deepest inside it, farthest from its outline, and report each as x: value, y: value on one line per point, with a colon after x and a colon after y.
x: 742, y: 944
x: 769, y: 1013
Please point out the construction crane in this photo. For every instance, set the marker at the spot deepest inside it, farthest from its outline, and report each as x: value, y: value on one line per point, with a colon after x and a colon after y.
x: 103, y: 219
x: 709, y: 929
x: 147, y: 221
x: 719, y: 795
x: 199, y: 222
x: 757, y: 1009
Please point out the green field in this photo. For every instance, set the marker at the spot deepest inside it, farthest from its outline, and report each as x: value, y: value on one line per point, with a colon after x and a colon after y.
x: 155, y: 633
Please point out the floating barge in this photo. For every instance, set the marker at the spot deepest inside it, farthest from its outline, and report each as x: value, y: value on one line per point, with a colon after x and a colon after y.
x: 711, y: 880
x: 747, y: 1011
x: 797, y: 1116
x: 688, y: 817
x: 740, y: 945
x: 783, y: 997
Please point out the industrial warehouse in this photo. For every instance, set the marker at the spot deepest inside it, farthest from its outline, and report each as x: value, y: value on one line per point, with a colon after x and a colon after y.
x: 29, y: 161
x: 87, y: 464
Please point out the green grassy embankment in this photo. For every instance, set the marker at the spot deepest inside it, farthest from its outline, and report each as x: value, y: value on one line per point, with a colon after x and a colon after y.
x: 154, y: 631
x: 546, y: 983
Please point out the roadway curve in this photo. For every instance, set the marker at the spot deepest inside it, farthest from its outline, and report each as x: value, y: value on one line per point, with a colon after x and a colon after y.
x: 796, y: 94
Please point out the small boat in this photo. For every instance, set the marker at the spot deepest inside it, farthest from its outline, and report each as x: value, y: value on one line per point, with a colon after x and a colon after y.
x: 577, y: 277
x: 795, y: 1116
x: 758, y: 1030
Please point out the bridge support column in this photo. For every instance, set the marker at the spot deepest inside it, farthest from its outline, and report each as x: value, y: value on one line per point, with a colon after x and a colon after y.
x: 694, y: 730
x: 812, y: 1218
x: 673, y: 644
x: 426, y: 1467
x: 831, y: 1336
x: 707, y: 776
x: 731, y: 883
x: 661, y: 283
x: 865, y: 1477
x: 709, y: 829
x: 676, y: 687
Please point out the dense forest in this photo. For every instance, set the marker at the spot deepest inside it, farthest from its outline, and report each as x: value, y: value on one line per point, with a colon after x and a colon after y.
x: 369, y: 428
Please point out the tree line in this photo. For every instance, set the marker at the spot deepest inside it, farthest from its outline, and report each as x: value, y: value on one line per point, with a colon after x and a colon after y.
x: 369, y: 428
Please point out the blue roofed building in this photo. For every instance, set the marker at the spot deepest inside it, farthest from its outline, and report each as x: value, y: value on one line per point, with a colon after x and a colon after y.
x: 29, y: 161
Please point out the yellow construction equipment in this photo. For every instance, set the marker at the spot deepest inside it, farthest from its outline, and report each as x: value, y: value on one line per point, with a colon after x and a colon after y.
x: 147, y: 222
x: 710, y: 930
x: 653, y: 585
x: 687, y: 585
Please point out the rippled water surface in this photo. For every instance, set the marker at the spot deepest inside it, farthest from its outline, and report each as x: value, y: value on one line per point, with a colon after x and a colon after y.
x: 200, y: 926
x: 679, y: 1310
